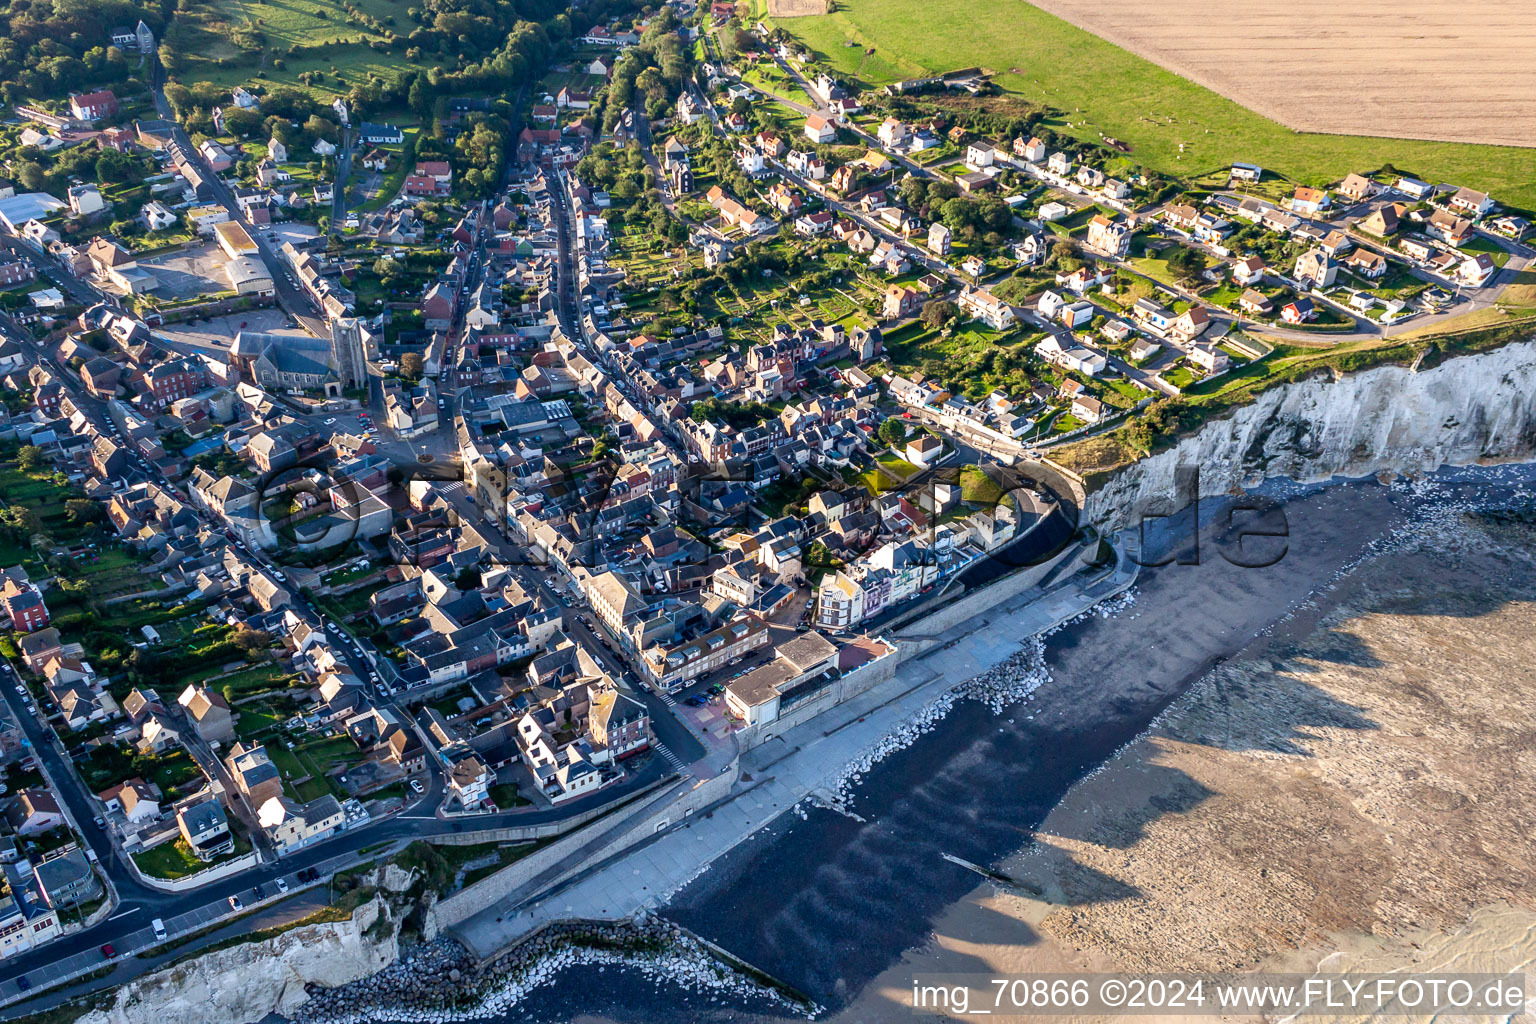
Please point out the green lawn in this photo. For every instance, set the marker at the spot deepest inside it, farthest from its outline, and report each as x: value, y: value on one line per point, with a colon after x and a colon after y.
x: 506, y: 795
x: 1180, y: 377
x: 315, y: 758
x: 176, y: 860
x: 1114, y: 92
x: 976, y: 486
x: 1480, y: 244
x: 253, y: 680
x: 264, y: 716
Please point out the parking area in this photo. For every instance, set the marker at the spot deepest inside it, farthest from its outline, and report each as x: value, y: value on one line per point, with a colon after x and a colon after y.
x: 289, y: 232
x: 216, y: 334
x: 194, y: 270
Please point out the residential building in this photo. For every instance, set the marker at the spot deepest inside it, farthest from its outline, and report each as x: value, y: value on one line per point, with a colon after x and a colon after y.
x: 205, y: 827
x: 986, y: 307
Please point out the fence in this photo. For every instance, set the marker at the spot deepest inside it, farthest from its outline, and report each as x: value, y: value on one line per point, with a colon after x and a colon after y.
x: 204, y: 877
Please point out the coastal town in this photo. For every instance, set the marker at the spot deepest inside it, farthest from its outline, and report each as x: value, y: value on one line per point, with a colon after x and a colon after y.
x: 381, y: 468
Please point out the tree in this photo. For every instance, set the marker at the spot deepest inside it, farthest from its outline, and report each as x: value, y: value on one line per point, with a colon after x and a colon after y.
x: 32, y: 176
x: 113, y: 166
x: 1187, y: 264
x: 241, y: 122
x: 410, y: 365
x: 251, y: 641
x: 892, y: 431
x: 938, y: 312
x: 29, y: 457
x: 83, y: 510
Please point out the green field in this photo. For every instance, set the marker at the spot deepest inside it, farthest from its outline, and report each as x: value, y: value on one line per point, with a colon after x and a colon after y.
x: 229, y: 41
x: 1107, y: 90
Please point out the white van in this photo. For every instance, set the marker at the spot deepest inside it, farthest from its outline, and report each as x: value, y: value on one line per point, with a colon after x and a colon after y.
x: 159, y: 927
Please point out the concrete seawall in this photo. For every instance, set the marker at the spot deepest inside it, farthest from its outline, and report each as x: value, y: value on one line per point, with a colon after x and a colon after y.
x: 680, y: 833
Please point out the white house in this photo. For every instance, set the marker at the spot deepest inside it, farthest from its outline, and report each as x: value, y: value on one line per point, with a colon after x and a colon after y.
x: 85, y: 200
x: 986, y: 307
x: 819, y: 130
x: 155, y: 215
x: 1032, y: 150
x: 1079, y: 358
x: 1248, y: 271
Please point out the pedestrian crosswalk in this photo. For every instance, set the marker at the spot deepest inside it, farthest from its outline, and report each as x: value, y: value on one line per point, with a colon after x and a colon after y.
x: 669, y: 757
x: 666, y: 698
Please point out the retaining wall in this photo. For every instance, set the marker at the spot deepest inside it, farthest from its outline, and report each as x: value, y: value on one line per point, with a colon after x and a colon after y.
x: 580, y: 851
x: 213, y: 874
x: 844, y: 688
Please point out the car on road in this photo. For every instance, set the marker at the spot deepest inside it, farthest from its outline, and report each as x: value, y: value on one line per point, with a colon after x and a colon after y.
x: 99, y: 821
x: 108, y: 952
x: 235, y: 904
x: 260, y: 894
x: 416, y: 786
x: 282, y: 885
x: 329, y: 420
x: 22, y: 983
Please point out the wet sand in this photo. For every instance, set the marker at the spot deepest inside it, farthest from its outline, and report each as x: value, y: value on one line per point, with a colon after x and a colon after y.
x: 829, y: 903
x: 1260, y: 785
x: 1351, y: 791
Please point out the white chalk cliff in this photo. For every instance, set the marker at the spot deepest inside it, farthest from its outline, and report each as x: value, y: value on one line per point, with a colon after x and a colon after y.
x: 1470, y: 409
x: 245, y: 983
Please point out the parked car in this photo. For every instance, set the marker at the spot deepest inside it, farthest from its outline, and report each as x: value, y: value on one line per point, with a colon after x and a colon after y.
x: 416, y: 786
x: 22, y: 983
x: 260, y: 894
x: 282, y: 885
x: 108, y: 952
x: 235, y: 904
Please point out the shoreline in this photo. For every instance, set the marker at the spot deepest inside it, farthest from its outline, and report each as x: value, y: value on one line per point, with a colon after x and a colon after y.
x: 979, y: 918
x: 1201, y: 870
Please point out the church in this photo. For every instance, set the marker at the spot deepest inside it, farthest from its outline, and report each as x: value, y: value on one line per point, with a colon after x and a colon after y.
x: 298, y: 361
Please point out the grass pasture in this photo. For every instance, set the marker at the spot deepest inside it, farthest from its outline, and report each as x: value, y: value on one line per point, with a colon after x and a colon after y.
x: 228, y: 42
x: 1104, y: 89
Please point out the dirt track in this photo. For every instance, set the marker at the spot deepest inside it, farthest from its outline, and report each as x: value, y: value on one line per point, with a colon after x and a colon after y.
x: 1459, y: 72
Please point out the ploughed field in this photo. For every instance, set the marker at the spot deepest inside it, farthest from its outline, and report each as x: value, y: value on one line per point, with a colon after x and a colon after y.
x: 1460, y: 72
x: 1265, y: 70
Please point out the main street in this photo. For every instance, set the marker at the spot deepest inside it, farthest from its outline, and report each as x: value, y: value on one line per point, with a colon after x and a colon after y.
x: 137, y: 902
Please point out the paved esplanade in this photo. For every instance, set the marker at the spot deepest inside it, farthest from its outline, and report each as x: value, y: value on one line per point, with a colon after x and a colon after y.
x: 785, y: 771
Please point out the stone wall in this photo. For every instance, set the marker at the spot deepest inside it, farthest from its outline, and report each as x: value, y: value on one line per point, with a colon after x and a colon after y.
x: 579, y: 852
x: 923, y: 634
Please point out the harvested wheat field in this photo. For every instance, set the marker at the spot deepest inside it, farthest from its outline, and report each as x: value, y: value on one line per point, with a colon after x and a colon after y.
x: 796, y: 8
x: 1457, y: 72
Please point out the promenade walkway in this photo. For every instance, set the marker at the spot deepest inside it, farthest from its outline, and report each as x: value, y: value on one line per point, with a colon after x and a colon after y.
x: 786, y: 770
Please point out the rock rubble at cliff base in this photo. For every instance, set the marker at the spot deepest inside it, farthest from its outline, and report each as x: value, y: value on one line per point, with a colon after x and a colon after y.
x: 440, y: 982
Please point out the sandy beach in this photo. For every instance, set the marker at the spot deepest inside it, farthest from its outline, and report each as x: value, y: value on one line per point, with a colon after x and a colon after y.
x: 1350, y: 790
